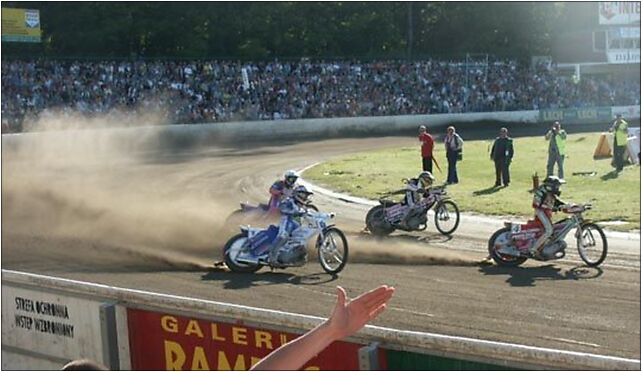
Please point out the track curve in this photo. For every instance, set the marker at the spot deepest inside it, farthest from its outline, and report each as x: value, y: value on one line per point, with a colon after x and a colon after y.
x: 151, y: 219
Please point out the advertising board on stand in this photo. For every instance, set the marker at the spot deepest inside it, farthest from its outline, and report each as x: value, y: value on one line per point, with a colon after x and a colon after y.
x: 619, y: 12
x: 628, y: 112
x: 162, y: 341
x: 623, y: 56
x: 21, y: 25
x: 48, y: 328
x: 577, y: 115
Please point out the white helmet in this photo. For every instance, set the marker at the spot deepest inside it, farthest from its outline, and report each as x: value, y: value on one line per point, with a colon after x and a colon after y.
x: 301, y: 195
x: 290, y: 178
x: 426, y: 178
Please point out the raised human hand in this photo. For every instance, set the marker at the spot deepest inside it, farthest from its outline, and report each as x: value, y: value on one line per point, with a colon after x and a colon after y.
x: 347, y: 318
x: 350, y: 316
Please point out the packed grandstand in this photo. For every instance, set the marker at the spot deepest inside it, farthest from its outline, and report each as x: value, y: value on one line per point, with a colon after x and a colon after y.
x: 216, y: 91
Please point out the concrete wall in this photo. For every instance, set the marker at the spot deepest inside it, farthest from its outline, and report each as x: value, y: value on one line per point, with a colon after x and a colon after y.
x: 187, y: 135
x: 182, y: 136
x: 332, y: 128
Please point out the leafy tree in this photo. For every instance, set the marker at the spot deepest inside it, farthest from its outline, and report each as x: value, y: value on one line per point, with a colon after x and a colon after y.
x: 267, y: 30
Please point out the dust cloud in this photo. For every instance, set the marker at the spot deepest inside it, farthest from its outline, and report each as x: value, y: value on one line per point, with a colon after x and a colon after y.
x: 123, y: 196
x: 392, y: 251
x: 103, y: 186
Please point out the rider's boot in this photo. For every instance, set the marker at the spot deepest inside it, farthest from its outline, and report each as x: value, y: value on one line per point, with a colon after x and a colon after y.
x: 535, y: 252
x: 273, y: 257
x: 404, y: 221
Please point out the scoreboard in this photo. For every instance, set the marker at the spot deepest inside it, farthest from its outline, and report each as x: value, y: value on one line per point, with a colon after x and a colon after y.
x: 620, y: 31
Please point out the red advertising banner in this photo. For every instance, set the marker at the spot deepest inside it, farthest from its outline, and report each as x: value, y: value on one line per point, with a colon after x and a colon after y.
x: 159, y: 341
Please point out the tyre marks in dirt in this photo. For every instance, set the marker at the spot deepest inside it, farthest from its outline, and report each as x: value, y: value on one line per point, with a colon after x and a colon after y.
x: 392, y: 251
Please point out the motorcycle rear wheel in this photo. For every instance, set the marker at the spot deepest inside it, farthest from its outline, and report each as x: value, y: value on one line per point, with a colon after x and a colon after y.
x: 231, y: 249
x: 502, y: 259
x: 587, y: 239
x: 376, y: 223
x: 332, y: 258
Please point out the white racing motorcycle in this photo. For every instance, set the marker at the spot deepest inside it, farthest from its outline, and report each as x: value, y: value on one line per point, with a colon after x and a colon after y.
x: 387, y: 217
x: 248, y: 251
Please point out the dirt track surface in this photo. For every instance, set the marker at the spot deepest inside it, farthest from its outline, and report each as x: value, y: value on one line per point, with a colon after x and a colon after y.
x: 151, y: 220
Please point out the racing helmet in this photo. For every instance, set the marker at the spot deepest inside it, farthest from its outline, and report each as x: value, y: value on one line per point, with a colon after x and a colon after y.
x: 301, y: 195
x: 553, y: 183
x: 426, y: 178
x: 290, y: 177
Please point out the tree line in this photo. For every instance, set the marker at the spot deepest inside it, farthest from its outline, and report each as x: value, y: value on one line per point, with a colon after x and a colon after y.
x: 268, y: 30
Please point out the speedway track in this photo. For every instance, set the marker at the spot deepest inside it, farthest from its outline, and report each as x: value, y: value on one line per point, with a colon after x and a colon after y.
x: 150, y: 220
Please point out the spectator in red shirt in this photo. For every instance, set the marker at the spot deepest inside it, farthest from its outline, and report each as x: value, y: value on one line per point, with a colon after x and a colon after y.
x: 427, y: 144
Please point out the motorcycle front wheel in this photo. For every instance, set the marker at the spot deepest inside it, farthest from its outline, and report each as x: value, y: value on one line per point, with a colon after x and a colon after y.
x: 501, y: 238
x: 333, y: 251
x: 446, y: 217
x: 591, y: 244
x: 232, y: 249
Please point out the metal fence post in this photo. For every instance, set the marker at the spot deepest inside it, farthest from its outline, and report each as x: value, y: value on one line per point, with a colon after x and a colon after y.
x: 369, y: 357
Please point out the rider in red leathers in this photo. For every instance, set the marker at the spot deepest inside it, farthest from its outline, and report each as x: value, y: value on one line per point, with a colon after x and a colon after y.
x: 281, y: 189
x: 545, y: 202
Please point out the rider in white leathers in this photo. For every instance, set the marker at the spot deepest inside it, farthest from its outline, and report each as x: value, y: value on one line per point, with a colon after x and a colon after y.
x: 416, y: 188
x: 290, y: 208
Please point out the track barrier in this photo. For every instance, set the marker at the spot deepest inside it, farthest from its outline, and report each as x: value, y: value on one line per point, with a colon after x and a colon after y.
x: 47, y: 321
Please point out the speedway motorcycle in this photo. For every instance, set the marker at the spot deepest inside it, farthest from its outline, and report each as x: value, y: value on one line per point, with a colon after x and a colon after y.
x: 509, y: 246
x: 248, y: 251
x: 387, y: 217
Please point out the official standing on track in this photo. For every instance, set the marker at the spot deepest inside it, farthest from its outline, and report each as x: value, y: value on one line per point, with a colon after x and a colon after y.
x: 621, y: 129
x: 502, y: 155
x: 427, y: 144
x: 556, y: 138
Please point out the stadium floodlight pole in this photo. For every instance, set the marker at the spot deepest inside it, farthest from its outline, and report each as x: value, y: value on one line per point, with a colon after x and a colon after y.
x: 410, y: 34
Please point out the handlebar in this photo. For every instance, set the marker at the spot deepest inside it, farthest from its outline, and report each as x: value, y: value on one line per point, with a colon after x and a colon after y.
x: 577, y: 208
x: 312, y: 213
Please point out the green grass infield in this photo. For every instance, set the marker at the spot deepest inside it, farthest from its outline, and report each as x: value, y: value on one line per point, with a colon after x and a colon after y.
x: 615, y: 197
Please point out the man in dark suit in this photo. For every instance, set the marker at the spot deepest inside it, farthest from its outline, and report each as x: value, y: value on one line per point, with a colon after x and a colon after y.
x: 502, y: 154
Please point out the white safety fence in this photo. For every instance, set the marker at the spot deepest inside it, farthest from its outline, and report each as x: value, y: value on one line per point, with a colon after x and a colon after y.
x: 47, y: 321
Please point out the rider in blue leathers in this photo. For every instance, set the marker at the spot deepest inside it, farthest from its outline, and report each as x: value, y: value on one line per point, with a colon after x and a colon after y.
x: 291, y: 208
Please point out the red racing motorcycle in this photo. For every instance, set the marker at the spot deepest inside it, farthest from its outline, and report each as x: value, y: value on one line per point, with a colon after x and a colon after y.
x: 509, y: 246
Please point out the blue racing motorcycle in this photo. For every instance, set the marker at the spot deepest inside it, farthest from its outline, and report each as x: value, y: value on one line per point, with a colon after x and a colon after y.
x: 248, y: 251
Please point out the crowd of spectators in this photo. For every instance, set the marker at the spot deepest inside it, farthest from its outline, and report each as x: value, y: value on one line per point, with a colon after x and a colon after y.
x: 215, y: 91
